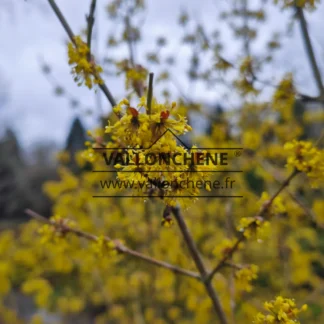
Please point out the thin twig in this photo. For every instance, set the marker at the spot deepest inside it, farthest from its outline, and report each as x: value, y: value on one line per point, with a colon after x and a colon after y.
x: 199, y: 264
x: 297, y: 199
x: 226, y: 257
x: 91, y: 21
x: 281, y: 188
x: 118, y: 246
x: 235, y: 266
x: 70, y: 33
x: 310, y: 50
x: 63, y: 21
x: 150, y: 94
x: 246, y: 28
x: 265, y: 207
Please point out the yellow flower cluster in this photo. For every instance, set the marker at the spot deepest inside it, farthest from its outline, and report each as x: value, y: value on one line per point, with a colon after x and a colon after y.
x: 70, y: 304
x: 283, y: 310
x: 307, y: 158
x: 252, y: 139
x: 245, y: 276
x: 277, y: 206
x: 84, y: 67
x: 308, y: 4
x: 135, y: 76
x: 142, y: 135
x: 224, y: 247
x: 284, y: 97
x: 102, y: 246
x: 52, y: 233
x: 39, y: 287
x: 254, y: 227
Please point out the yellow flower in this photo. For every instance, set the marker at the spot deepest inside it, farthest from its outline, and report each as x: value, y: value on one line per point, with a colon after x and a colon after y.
x: 308, y: 4
x: 153, y: 163
x: 251, y: 139
x: 277, y: 206
x: 70, y: 305
x: 102, y: 246
x: 51, y: 233
x: 254, y: 227
x: 307, y: 158
x: 245, y: 276
x: 40, y: 288
x: 283, y: 310
x: 224, y: 247
x: 84, y: 67
x: 284, y: 97
x: 135, y: 75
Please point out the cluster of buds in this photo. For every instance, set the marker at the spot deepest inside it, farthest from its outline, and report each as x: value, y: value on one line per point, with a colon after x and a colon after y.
x: 57, y: 229
x: 84, y: 68
x: 283, y: 311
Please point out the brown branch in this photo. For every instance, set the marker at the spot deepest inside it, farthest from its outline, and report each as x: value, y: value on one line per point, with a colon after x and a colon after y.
x: 71, y: 35
x: 118, y: 246
x: 63, y: 21
x: 265, y: 207
x: 299, y: 201
x: 226, y: 257
x: 309, y: 50
x: 91, y: 21
x: 150, y: 94
x: 281, y: 188
x: 235, y: 266
x: 294, y: 196
x: 199, y: 264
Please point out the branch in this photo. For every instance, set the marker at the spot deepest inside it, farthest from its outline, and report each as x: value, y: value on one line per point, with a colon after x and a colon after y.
x: 297, y: 199
x: 235, y: 266
x: 118, y: 246
x: 150, y: 94
x: 309, y: 49
x: 281, y: 188
x: 71, y: 35
x: 265, y: 207
x: 63, y: 21
x: 90, y: 21
x: 199, y: 264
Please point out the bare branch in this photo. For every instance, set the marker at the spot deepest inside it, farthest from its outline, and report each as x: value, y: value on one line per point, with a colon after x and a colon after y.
x: 294, y: 196
x: 199, y: 264
x: 150, y: 94
x: 118, y: 246
x: 62, y: 19
x: 91, y: 21
x: 265, y: 207
x: 309, y: 50
x: 235, y: 266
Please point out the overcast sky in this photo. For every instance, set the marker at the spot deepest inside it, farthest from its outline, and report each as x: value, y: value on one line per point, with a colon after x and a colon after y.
x: 30, y: 31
